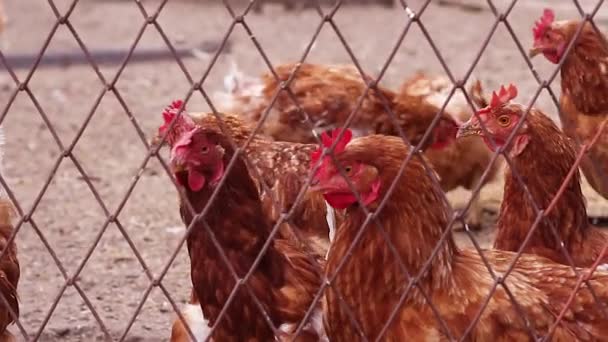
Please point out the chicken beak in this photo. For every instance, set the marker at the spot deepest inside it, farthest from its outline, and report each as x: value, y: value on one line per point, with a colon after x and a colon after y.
x: 177, y: 167
x: 155, y: 141
x: 469, y: 128
x: 535, y: 51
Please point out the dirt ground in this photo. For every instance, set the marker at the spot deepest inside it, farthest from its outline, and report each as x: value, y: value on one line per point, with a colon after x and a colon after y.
x: 112, y: 153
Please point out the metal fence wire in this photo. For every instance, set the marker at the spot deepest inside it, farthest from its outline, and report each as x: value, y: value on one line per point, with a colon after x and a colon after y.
x: 239, y: 21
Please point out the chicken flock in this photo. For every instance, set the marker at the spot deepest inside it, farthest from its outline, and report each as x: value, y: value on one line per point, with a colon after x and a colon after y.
x: 321, y: 225
x: 290, y: 222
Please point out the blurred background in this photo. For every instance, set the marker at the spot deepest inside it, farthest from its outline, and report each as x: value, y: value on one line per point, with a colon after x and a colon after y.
x: 64, y: 85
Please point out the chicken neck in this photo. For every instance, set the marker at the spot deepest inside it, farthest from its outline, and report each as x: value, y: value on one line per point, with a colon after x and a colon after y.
x: 584, y: 74
x: 240, y: 227
x: 543, y: 167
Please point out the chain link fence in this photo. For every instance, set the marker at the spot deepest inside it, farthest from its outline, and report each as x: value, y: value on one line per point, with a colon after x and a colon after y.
x: 98, y: 229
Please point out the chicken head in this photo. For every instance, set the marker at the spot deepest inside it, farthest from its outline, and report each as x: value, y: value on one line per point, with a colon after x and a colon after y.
x: 183, y: 123
x: 548, y: 38
x: 329, y: 180
x: 197, y: 160
x: 499, y: 119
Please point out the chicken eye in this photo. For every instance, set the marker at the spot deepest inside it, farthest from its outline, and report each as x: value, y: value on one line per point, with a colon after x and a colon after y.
x: 205, y: 149
x: 504, y: 120
x: 348, y: 169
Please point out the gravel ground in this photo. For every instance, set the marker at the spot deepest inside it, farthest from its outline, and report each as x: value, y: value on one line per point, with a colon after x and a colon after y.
x: 110, y: 150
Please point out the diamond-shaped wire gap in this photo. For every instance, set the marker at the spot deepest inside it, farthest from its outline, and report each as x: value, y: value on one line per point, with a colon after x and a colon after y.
x: 144, y: 89
x: 199, y: 36
x: 27, y: 135
x: 66, y: 93
x: 38, y: 278
x: 40, y: 13
x: 458, y: 50
x: 109, y: 151
x: 71, y: 319
x: 154, y: 321
x: 286, y: 44
x: 115, y: 277
x: 176, y: 281
x: 413, y: 53
x: 107, y: 41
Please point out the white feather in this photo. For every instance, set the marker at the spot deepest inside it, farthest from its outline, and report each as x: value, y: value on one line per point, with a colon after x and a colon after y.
x: 241, y: 92
x: 602, y: 267
x: 197, y: 323
x: 331, y: 223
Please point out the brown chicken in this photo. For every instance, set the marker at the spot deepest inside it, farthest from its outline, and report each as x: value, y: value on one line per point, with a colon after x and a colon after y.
x: 328, y: 94
x: 584, y: 81
x: 461, y: 162
x: 9, y: 272
x: 286, y: 278
x: 542, y: 155
x: 283, y: 166
x: 457, y: 282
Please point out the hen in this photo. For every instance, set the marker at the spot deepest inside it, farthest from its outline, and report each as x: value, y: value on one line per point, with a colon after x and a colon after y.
x: 542, y: 155
x: 283, y: 282
x: 371, y: 281
x: 328, y: 94
x: 283, y: 166
x: 461, y: 162
x: 584, y: 83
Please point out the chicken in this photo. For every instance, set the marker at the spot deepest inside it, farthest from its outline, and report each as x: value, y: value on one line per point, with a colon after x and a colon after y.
x: 328, y: 94
x: 538, y: 146
x: 584, y: 83
x: 282, y: 166
x: 286, y: 278
x: 461, y: 162
x: 371, y: 281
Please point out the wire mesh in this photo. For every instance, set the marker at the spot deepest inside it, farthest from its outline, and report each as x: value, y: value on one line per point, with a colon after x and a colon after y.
x: 239, y: 21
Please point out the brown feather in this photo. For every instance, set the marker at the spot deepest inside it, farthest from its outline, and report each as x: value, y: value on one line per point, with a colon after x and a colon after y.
x: 9, y: 269
x: 584, y: 103
x: 543, y: 166
x: 284, y: 167
x: 285, y: 281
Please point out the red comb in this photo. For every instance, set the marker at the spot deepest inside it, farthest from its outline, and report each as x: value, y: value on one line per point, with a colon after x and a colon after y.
x: 183, y: 124
x: 543, y: 23
x: 328, y: 140
x: 172, y: 110
x: 503, y: 96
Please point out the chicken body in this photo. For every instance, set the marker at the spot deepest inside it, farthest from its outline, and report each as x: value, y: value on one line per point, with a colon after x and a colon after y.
x: 543, y: 158
x: 584, y: 84
x: 9, y: 271
x: 327, y: 93
x: 457, y: 282
x: 283, y: 283
x: 284, y: 167
x: 461, y: 162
